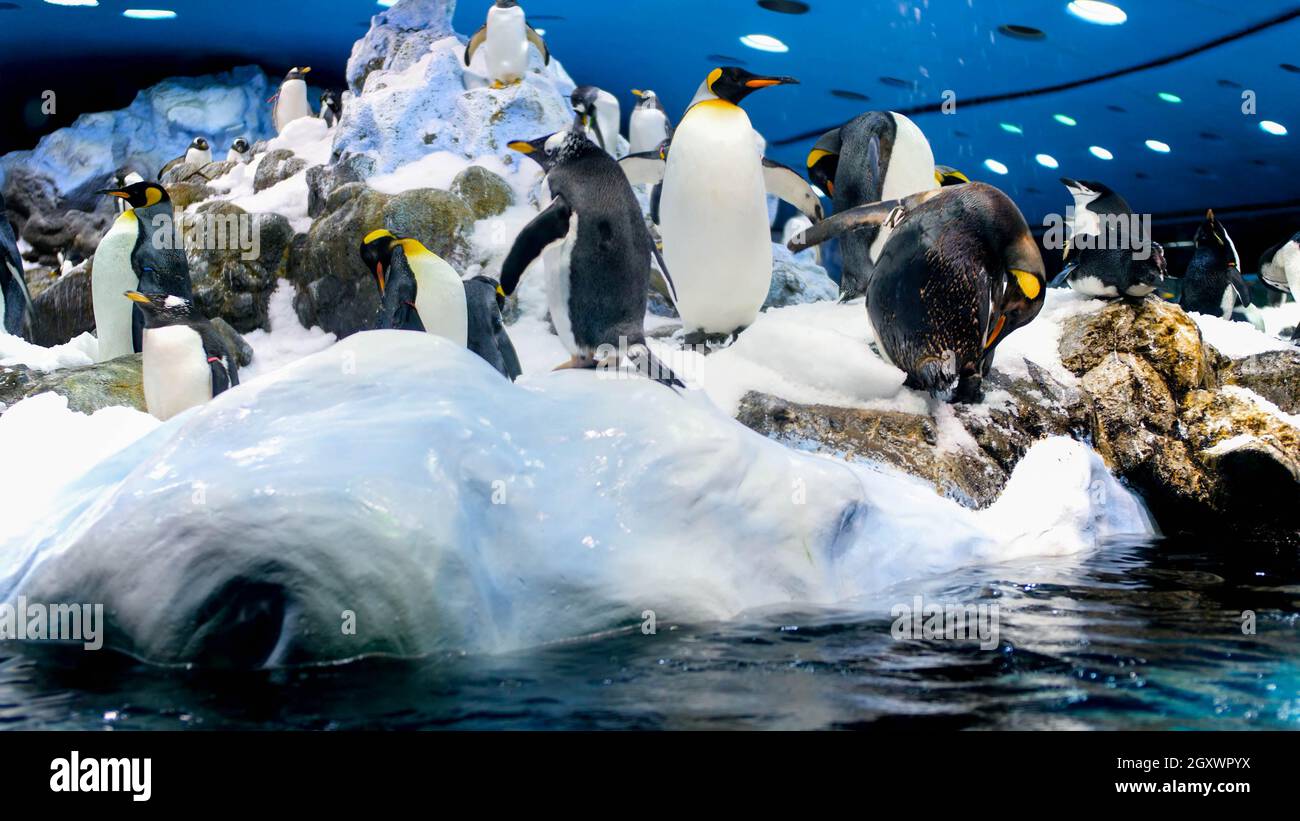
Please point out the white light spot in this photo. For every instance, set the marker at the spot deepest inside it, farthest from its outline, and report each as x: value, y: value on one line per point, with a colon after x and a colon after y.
x: 149, y: 14
x: 764, y: 42
x: 1096, y: 11
x: 1101, y: 153
x: 1276, y: 129
x: 1158, y: 147
x: 1047, y: 161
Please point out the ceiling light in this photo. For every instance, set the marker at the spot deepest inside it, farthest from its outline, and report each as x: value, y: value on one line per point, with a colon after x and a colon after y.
x: 1011, y: 129
x: 1047, y: 161
x: 1158, y: 147
x: 1101, y: 153
x: 995, y: 166
x: 1064, y: 120
x: 1095, y: 11
x: 149, y: 14
x: 1169, y: 98
x: 764, y: 42
x: 73, y: 2
x: 1276, y: 129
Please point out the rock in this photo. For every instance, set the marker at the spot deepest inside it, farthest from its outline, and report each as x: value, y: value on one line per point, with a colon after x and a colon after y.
x: 226, y: 284
x: 1134, y: 411
x: 64, y: 309
x: 276, y: 167
x: 485, y: 193
x: 1274, y: 375
x: 73, y: 234
x: 796, y: 281
x: 438, y: 219
x: 88, y: 389
x: 1155, y: 330
x: 905, y: 441
x: 185, y: 194
x: 27, y: 193
x: 186, y: 172
x: 398, y: 37
x: 324, y: 180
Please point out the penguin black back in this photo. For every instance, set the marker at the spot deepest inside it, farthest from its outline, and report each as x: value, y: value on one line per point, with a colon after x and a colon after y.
x: 1213, y: 283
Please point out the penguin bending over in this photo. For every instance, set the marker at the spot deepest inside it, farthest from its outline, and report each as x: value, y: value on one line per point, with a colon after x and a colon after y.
x: 129, y: 259
x: 1102, y: 268
x: 331, y: 108
x: 960, y: 273
x: 1213, y: 284
x: 240, y: 152
x: 600, y: 115
x: 15, y: 301
x: 877, y: 156
x: 199, y: 153
x: 186, y: 362
x: 291, y: 102
x: 713, y: 209
x: 507, y: 35
x: 598, y: 280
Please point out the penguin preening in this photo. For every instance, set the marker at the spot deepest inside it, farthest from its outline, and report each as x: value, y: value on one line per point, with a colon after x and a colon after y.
x: 713, y: 209
x: 199, y: 153
x: 15, y: 301
x: 960, y: 272
x: 506, y: 35
x: 1279, y: 268
x: 598, y: 258
x: 240, y: 152
x: 331, y: 108
x: 291, y: 102
x: 877, y: 156
x: 1105, y: 263
x: 1213, y: 283
x: 129, y: 258
x: 649, y: 125
x: 600, y: 115
x: 185, y: 362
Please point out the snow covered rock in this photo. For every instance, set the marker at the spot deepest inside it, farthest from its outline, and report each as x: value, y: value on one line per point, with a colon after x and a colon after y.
x: 796, y: 280
x: 486, y: 194
x: 1274, y: 375
x: 87, y: 389
x: 1158, y: 331
x: 229, y: 282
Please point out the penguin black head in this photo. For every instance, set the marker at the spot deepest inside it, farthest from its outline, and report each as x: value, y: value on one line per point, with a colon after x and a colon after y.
x: 296, y: 73
x: 824, y: 161
x: 240, y: 145
x: 161, y: 310
x: 377, y: 253
x: 200, y: 144
x: 584, y: 99
x: 329, y: 99
x: 646, y: 99
x: 140, y: 195
x: 553, y: 149
x: 506, y: 4
x: 1213, y: 236
x: 733, y: 84
x: 1151, y: 271
x: 946, y: 175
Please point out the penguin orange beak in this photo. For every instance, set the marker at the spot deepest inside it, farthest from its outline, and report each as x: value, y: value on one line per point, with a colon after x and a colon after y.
x: 111, y: 193
x: 768, y: 82
x: 306, y: 70
x: 521, y: 146
x: 379, y: 276
x: 136, y: 296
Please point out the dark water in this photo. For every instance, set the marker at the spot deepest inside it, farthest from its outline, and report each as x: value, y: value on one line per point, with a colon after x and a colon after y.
x: 1135, y: 636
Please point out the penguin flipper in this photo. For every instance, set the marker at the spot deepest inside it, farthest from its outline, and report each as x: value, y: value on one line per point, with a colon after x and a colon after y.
x: 536, y: 40
x: 863, y: 216
x: 508, y: 356
x: 1240, y: 286
x: 547, y: 227
x: 1063, y: 278
x: 785, y: 182
x: 646, y: 168
x: 137, y: 329
x: 663, y: 269
x: 479, y: 38
x: 225, y: 370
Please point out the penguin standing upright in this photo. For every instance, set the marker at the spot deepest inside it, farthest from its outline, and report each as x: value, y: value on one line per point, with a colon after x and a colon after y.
x: 484, y: 301
x: 185, y: 362
x: 713, y: 211
x: 1096, y: 264
x: 199, y: 153
x: 331, y: 109
x: 1213, y: 284
x: 291, y: 102
x: 597, y: 285
x: 15, y: 301
x: 960, y: 272
x: 507, y: 35
x: 129, y: 259
x: 240, y: 152
x: 1279, y: 268
x: 648, y: 126
x: 877, y: 156
x: 600, y: 114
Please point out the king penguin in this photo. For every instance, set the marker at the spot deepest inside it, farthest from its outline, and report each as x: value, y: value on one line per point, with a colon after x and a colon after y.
x: 507, y: 35
x: 199, y: 153
x: 137, y: 254
x: 597, y: 284
x: 240, y: 152
x: 185, y: 362
x: 1100, y: 261
x: 713, y: 211
x: 879, y: 155
x: 960, y: 273
x: 1213, y: 284
x: 600, y: 114
x: 15, y: 301
x: 291, y: 102
x: 124, y: 179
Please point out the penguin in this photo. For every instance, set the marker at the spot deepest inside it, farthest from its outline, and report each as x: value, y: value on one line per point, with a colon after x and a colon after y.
x: 122, y: 179
x: 185, y: 362
x: 199, y: 153
x: 1213, y: 284
x: 331, y: 109
x: 713, y: 210
x: 484, y: 301
x: 1106, y: 272
x: 649, y: 126
x: 419, y: 290
x: 240, y: 152
x: 600, y: 115
x: 877, y: 156
x: 1279, y: 268
x: 507, y: 35
x: 960, y: 272
x: 946, y: 175
x: 598, y: 278
x: 15, y: 301
x: 130, y: 259
x: 291, y: 101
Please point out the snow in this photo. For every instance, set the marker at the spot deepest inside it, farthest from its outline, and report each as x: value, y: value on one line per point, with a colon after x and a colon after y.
x: 1263, y: 404
x: 491, y: 516
x: 1236, y: 339
x: 310, y: 139
x: 287, y: 341
x: 1039, y: 340
x: 80, y: 351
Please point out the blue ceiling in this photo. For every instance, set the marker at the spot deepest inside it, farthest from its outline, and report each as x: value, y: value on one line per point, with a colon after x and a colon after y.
x: 901, y: 54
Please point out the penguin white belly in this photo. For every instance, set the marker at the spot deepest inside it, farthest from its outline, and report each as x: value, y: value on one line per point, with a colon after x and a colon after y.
x: 558, y: 259
x: 506, y: 46
x: 649, y: 128
x: 1228, y: 301
x: 1094, y: 287
x: 609, y: 117
x: 196, y: 157
x: 1140, y: 290
x: 440, y: 298
x: 291, y: 104
x: 110, y: 278
x: 910, y: 171
x: 714, y: 220
x: 1289, y: 260
x: 177, y: 376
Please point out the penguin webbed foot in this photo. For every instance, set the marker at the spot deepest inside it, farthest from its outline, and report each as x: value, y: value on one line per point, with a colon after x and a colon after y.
x: 969, y: 391
x: 577, y: 363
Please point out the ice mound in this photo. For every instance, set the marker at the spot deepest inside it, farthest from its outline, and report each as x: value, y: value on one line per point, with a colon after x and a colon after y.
x: 397, y: 478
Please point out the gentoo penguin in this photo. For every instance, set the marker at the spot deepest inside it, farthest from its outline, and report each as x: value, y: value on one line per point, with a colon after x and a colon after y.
x: 600, y: 115
x: 124, y: 179
x: 240, y: 152
x: 597, y: 283
x: 877, y: 156
x: 1279, y: 268
x: 199, y: 153
x: 713, y: 211
x: 484, y: 301
x: 960, y: 272
x: 649, y: 125
x: 291, y: 102
x: 1213, y: 283
x: 419, y: 290
x: 507, y: 35
x: 133, y: 257
x: 330, y: 107
x: 1098, y: 267
x: 15, y: 301
x: 185, y: 361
